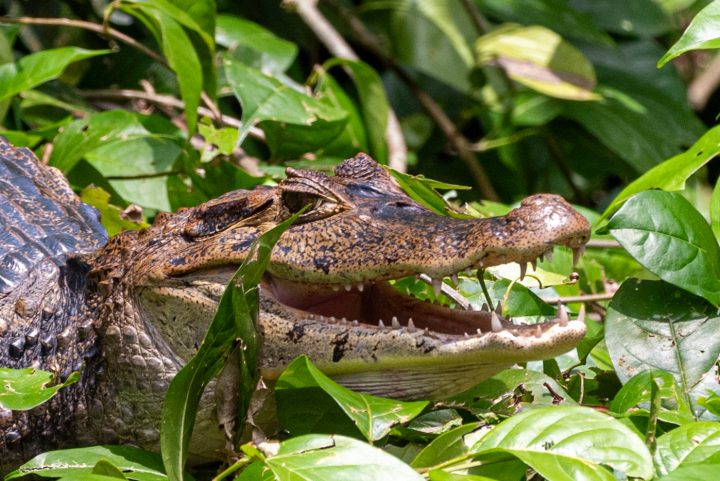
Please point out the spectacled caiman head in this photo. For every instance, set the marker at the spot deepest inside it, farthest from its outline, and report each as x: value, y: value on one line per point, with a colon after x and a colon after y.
x: 326, y: 290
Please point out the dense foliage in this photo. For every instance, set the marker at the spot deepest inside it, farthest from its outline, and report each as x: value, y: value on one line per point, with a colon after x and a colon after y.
x: 152, y: 105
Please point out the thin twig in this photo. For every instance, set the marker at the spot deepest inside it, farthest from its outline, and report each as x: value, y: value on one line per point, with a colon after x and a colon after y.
x: 605, y: 296
x: 165, y: 100
x: 327, y: 34
x: 460, y: 143
x: 479, y: 21
x: 108, y: 32
x: 603, y: 244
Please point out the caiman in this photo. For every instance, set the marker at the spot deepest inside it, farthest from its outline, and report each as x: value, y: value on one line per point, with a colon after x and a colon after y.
x: 129, y: 311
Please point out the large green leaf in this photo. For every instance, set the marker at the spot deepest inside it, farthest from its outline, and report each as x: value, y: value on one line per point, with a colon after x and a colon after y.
x: 432, y: 36
x: 654, y: 325
x: 569, y: 443
x: 266, y: 99
x: 702, y: 33
x: 96, y: 130
x: 234, y: 322
x: 672, y: 173
x: 715, y: 210
x: 450, y: 445
x: 136, y: 464
x: 179, y: 51
x: 372, y: 416
x: 373, y: 103
x: 37, y: 68
x: 22, y: 389
x: 336, y: 458
x: 644, y: 387
x: 254, y: 44
x: 689, y: 444
x: 665, y: 233
x: 539, y: 59
x: 556, y: 15
x: 642, y: 18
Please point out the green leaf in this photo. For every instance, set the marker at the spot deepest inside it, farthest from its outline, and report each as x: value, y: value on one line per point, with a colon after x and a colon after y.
x: 110, y: 215
x: 568, y: 443
x: 511, y: 388
x: 689, y: 444
x: 251, y: 41
x: 179, y: 51
x: 107, y: 469
x: 702, y: 34
x: 372, y: 416
x: 336, y: 458
x: 136, y: 464
x: 373, y: 102
x: 234, y: 322
x: 693, y: 472
x: 654, y: 325
x: 450, y: 445
x: 38, y: 68
x: 639, y: 389
x: 539, y: 59
x: 422, y: 191
x: 641, y: 18
x: 431, y: 36
x: 85, y: 135
x: 672, y: 173
x: 556, y: 15
x: 715, y: 210
x: 265, y: 99
x: 23, y: 389
x: 665, y: 233
x: 137, y: 169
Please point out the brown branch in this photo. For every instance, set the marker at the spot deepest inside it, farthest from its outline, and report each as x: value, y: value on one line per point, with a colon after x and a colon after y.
x: 459, y: 142
x: 327, y: 34
x: 479, y: 21
x: 165, y: 100
x: 603, y: 244
x: 703, y: 86
x: 107, y: 32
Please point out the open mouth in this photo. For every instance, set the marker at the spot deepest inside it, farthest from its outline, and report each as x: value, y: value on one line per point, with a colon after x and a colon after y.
x: 379, y: 305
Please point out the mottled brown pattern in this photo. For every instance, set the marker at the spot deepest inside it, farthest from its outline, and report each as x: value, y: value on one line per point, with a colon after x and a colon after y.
x: 132, y: 311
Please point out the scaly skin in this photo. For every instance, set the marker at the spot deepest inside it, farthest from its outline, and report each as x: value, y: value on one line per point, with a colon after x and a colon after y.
x: 149, y: 296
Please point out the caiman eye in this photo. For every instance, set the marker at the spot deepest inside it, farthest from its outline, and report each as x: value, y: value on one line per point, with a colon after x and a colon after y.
x: 320, y: 207
x: 229, y: 210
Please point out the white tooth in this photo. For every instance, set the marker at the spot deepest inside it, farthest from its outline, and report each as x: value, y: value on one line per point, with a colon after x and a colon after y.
x: 381, y: 324
x: 360, y: 287
x: 411, y: 325
x: 562, y: 315
x: 549, y: 255
x: 454, y: 278
x: 485, y: 307
x: 437, y: 286
x: 344, y: 319
x: 478, y: 331
x: 523, y: 269
x: 335, y: 288
x: 322, y: 318
x: 348, y: 287
x: 395, y: 323
x: 533, y: 263
x: 538, y: 331
x: 333, y: 320
x: 355, y: 322
x: 427, y: 331
x: 495, y: 322
x: 467, y: 335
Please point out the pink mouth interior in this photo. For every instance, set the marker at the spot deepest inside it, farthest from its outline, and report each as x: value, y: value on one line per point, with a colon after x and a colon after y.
x: 377, y: 302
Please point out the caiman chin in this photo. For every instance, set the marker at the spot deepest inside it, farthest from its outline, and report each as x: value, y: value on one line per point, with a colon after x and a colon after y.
x: 129, y: 311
